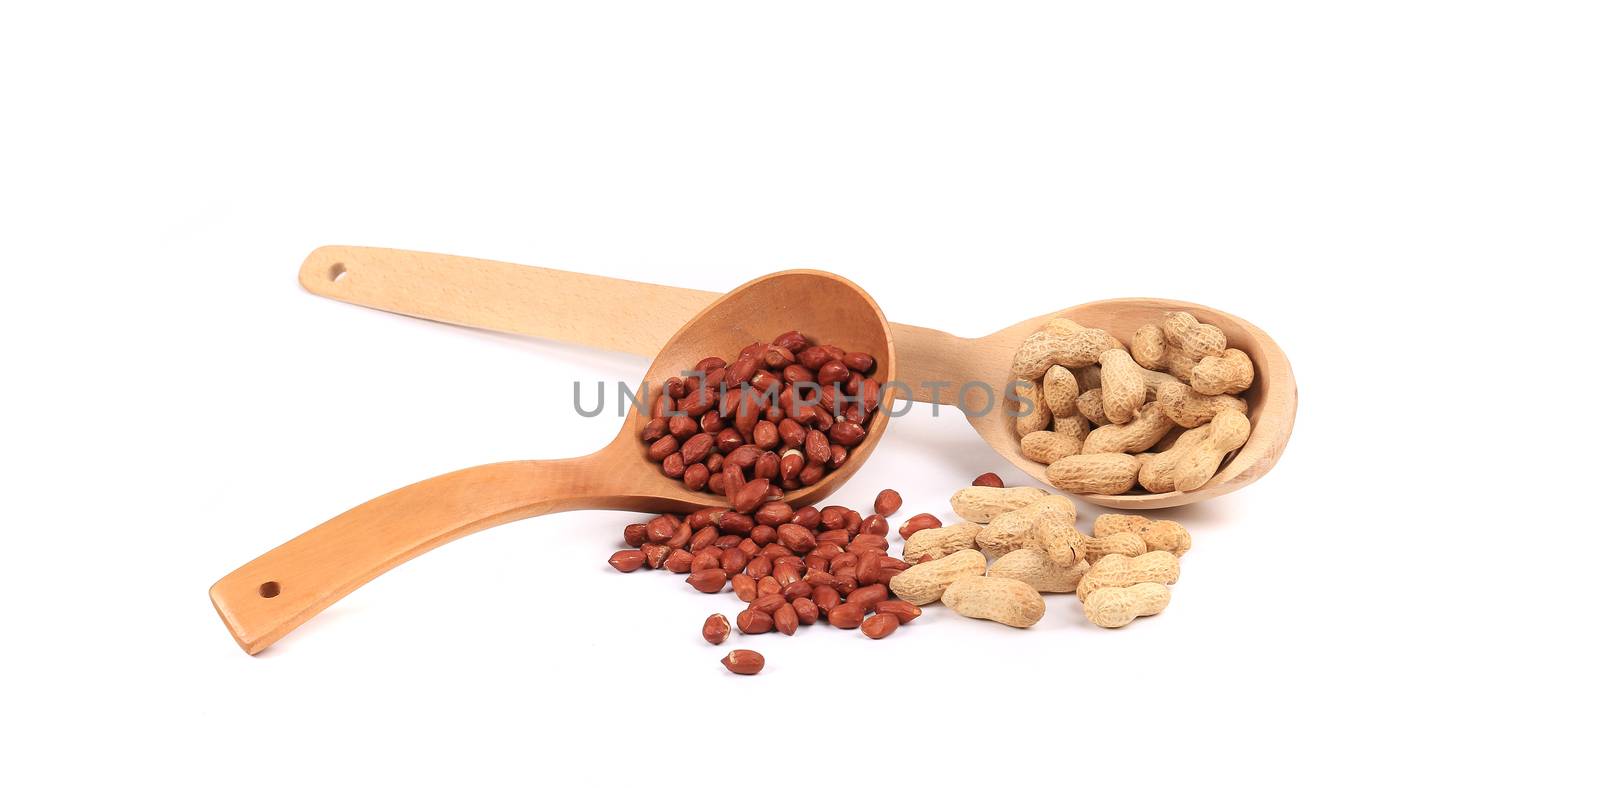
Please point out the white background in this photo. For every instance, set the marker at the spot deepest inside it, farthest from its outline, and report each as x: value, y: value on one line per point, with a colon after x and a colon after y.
x: 1402, y: 193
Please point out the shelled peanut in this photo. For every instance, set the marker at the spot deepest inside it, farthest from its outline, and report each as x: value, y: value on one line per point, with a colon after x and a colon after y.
x: 1102, y: 416
x: 790, y: 567
x: 779, y: 417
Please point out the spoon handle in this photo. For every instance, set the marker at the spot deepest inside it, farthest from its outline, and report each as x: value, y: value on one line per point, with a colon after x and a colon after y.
x: 594, y: 311
x: 589, y: 310
x: 265, y: 599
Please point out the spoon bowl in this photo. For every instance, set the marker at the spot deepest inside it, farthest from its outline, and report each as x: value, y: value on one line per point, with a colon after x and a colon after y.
x: 1272, y: 397
x: 268, y: 597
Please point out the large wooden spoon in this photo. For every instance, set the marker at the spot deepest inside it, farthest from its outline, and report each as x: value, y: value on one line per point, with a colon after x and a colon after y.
x: 635, y: 317
x: 263, y: 600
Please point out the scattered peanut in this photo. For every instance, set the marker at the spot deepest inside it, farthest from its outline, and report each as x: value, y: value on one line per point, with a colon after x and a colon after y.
x: 1017, y: 529
x: 744, y: 662
x: 716, y: 629
x: 980, y: 504
x: 1099, y: 547
x: 940, y: 542
x: 1117, y: 607
x: 925, y: 582
x: 1120, y: 571
x: 1055, y: 531
x: 899, y: 608
x: 1010, y: 602
x: 917, y: 523
x: 1157, y: 534
x: 880, y: 626
x: 1031, y: 566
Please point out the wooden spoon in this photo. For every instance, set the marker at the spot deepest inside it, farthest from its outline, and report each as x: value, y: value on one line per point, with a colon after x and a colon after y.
x: 263, y: 600
x: 618, y: 314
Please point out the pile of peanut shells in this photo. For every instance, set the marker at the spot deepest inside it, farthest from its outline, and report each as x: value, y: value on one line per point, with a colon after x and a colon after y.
x: 1119, y: 573
x: 1160, y: 414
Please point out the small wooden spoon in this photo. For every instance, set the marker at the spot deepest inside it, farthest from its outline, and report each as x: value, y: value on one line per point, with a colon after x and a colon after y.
x: 263, y: 600
x: 617, y: 314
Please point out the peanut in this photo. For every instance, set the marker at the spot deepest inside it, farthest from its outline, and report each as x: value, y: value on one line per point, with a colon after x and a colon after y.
x: 1197, y: 464
x: 1149, y: 347
x: 1060, y: 391
x: 1046, y: 447
x: 744, y: 662
x: 1043, y: 349
x: 1190, y: 409
x: 990, y: 479
x: 716, y: 629
x: 1148, y: 425
x: 1230, y: 373
x: 1117, y: 607
x: 1010, y: 602
x: 925, y: 582
x: 940, y: 542
x: 1065, y: 327
x: 1075, y: 426
x: 1120, y: 571
x: 1046, y: 524
x: 1091, y: 405
x: 1105, y: 474
x: 1157, y: 534
x: 1032, y: 566
x: 1055, y: 531
x: 1156, y: 475
x: 979, y: 504
x: 1099, y: 547
x: 1191, y: 337
x: 1122, y: 388
x: 1032, y: 415
x: 880, y: 626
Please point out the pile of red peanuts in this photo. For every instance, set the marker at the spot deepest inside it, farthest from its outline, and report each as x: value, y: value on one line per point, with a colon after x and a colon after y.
x: 778, y: 418
x: 793, y: 567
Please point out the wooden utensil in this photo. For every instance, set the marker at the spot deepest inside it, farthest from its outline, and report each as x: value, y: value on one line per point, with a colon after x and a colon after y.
x: 618, y: 314
x: 263, y: 600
